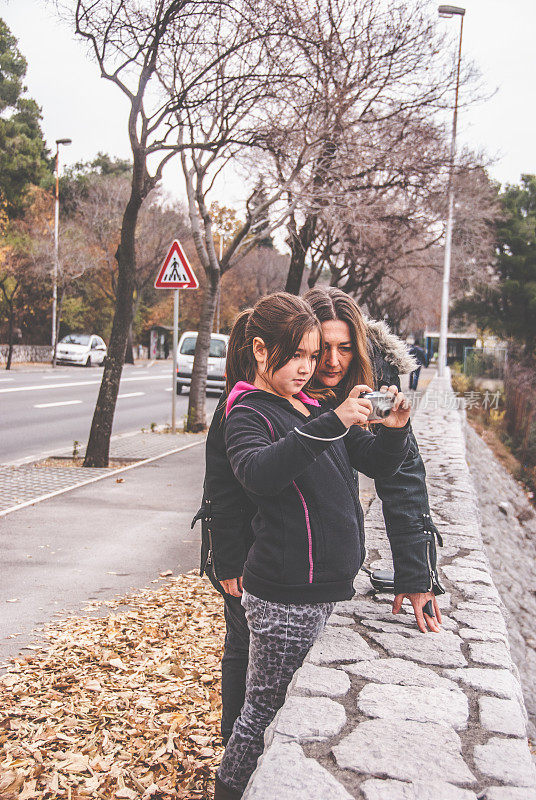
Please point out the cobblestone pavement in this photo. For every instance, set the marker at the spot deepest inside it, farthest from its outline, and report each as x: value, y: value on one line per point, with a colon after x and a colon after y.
x: 380, y: 711
x: 29, y: 483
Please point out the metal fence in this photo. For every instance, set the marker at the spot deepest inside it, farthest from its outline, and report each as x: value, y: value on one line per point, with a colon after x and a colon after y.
x: 484, y: 362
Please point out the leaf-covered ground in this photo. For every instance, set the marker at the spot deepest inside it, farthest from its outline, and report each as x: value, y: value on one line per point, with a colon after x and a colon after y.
x: 125, y: 705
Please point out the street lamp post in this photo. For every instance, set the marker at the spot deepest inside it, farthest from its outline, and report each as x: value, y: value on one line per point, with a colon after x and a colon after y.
x: 56, y: 246
x: 448, y: 12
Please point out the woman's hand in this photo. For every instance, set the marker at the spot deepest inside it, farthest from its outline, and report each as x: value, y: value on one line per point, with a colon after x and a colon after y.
x: 400, y: 411
x: 355, y: 410
x: 418, y: 601
x: 232, y: 586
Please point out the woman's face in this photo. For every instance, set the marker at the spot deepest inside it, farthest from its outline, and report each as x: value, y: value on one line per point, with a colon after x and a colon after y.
x: 338, y: 353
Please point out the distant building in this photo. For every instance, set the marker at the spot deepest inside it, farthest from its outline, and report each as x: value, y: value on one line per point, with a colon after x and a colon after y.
x: 456, y: 344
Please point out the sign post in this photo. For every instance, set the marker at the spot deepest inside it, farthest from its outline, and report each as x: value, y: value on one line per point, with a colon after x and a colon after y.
x: 175, y: 273
x: 174, y: 373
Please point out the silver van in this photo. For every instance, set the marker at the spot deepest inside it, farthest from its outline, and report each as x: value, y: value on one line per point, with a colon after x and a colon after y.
x: 216, y: 360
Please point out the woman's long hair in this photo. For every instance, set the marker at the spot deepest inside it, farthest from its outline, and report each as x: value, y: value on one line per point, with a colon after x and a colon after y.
x: 280, y: 320
x: 330, y: 303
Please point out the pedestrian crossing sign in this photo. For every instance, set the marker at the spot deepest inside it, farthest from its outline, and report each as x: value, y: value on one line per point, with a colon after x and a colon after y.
x: 176, y: 272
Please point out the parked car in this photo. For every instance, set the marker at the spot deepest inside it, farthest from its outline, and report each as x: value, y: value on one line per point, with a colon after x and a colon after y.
x: 216, y: 360
x: 81, y: 348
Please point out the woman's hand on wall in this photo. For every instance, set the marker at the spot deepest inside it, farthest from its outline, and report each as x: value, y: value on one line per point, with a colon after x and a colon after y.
x: 418, y: 600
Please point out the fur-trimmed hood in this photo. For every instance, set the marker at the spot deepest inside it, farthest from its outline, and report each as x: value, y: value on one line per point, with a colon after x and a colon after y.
x: 390, y: 346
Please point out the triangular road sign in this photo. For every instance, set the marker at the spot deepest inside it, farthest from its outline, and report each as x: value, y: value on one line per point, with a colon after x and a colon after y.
x: 176, y: 272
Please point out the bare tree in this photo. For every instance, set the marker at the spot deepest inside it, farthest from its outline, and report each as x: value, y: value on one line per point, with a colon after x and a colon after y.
x: 99, y: 207
x: 166, y: 57
x: 29, y: 258
x: 366, y: 77
x: 127, y: 39
x: 215, y: 135
x: 261, y: 272
x: 387, y: 249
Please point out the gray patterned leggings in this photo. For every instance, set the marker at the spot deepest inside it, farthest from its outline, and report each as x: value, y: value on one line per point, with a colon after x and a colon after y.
x: 280, y: 637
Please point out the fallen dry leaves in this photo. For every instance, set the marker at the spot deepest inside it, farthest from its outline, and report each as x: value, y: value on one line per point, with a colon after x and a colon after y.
x: 121, y: 706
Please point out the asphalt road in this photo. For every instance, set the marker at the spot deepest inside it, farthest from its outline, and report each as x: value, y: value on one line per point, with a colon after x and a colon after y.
x: 97, y: 542
x: 43, y: 411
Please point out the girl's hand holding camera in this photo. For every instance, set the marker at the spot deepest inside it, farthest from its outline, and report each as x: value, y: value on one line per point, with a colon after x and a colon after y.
x: 355, y: 410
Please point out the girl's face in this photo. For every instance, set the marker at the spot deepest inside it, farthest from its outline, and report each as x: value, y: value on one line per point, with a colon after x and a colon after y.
x: 338, y: 353
x: 292, y: 376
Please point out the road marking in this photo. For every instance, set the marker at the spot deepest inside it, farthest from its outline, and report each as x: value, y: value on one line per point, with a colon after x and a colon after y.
x: 62, y: 403
x: 130, y: 394
x: 80, y: 383
x: 5, y: 380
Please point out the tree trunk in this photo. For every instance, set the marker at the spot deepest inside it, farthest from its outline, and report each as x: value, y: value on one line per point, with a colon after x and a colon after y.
x: 10, y: 337
x: 129, y: 352
x: 299, y: 246
x: 98, y: 448
x: 196, y: 420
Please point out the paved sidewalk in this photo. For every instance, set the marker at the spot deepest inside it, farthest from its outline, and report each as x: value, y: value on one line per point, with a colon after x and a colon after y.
x: 30, y: 483
x: 97, y: 542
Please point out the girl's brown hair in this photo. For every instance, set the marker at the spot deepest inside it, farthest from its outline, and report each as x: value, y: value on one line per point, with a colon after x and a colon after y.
x: 330, y: 303
x: 280, y: 320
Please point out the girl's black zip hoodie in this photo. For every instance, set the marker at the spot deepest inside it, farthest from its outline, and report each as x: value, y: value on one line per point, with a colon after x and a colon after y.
x: 297, y: 471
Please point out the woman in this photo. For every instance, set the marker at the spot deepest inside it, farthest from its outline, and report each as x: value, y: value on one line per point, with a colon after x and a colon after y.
x: 364, y: 348
x: 348, y: 340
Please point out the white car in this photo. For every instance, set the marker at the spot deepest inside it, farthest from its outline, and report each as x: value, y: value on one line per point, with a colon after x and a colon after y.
x: 81, y: 348
x: 216, y: 360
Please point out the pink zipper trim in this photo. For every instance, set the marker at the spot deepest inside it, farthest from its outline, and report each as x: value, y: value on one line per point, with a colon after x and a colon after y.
x: 309, y: 534
x: 302, y: 498
x: 242, y: 387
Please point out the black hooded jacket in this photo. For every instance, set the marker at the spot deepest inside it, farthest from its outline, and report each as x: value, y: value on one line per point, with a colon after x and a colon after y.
x: 297, y: 470
x: 227, y: 511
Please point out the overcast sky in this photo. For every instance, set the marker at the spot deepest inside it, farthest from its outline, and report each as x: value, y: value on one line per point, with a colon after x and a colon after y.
x: 80, y: 105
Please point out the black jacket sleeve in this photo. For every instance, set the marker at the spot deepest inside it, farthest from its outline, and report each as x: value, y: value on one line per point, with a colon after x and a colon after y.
x: 379, y: 454
x: 409, y: 525
x: 406, y: 511
x: 265, y: 467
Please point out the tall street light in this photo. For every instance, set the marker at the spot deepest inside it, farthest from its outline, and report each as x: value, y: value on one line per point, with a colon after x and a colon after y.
x: 448, y: 12
x: 56, y: 244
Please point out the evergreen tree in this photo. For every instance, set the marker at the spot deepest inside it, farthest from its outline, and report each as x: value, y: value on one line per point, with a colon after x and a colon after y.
x: 23, y: 156
x: 507, y: 304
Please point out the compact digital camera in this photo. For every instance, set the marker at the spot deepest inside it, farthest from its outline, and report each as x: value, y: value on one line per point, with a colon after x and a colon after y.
x: 381, y: 404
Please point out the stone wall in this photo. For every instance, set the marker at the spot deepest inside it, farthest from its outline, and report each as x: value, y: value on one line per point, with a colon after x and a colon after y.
x: 380, y: 711
x: 26, y: 353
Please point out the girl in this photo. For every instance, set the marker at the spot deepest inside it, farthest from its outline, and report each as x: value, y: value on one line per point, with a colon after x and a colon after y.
x: 294, y: 458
